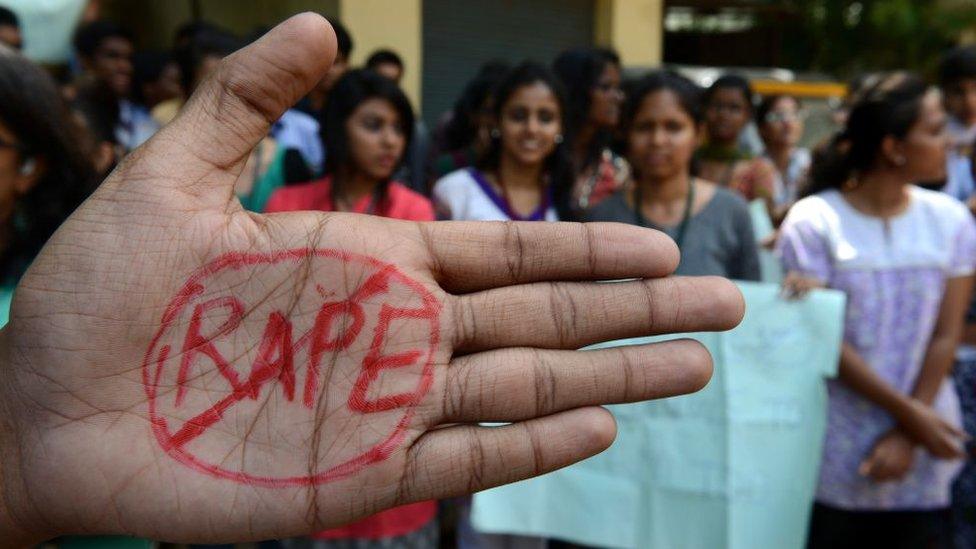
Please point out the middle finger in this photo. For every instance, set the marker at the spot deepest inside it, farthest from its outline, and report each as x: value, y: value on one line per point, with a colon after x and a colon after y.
x: 569, y: 315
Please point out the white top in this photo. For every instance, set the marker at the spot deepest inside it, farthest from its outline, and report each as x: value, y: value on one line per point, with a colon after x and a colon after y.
x: 894, y: 274
x: 918, y: 237
x: 460, y: 196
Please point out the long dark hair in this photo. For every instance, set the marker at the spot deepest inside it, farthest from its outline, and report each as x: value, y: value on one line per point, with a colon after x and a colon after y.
x: 580, y: 70
x: 33, y: 110
x: 888, y: 105
x: 353, y: 89
x: 690, y: 99
x: 559, y: 166
x: 462, y: 129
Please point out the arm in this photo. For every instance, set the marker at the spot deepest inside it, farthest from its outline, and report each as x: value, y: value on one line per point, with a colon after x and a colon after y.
x: 891, y: 457
x: 763, y: 174
x: 948, y: 332
x: 913, y: 412
x: 857, y: 374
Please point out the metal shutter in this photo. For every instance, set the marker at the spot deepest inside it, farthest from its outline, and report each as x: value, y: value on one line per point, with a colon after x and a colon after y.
x: 460, y: 35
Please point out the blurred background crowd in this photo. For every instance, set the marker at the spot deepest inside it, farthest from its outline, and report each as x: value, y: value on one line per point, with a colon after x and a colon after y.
x: 675, y: 115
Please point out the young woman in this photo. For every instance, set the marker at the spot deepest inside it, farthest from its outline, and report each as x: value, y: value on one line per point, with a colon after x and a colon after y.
x: 591, y: 78
x: 526, y: 173
x: 711, y: 225
x: 45, y: 164
x: 466, y: 136
x: 366, y: 131
x: 46, y: 171
x: 905, y: 258
x: 781, y: 127
x: 728, y: 110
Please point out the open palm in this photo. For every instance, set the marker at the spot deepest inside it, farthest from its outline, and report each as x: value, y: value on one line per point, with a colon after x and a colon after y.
x: 178, y: 368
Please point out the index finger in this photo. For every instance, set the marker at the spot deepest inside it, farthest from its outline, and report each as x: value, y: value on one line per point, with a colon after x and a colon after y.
x: 471, y: 256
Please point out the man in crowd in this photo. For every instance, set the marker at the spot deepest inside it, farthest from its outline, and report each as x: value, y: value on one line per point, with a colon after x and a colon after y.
x: 957, y: 77
x: 105, y: 51
x: 387, y: 63
x: 10, y: 29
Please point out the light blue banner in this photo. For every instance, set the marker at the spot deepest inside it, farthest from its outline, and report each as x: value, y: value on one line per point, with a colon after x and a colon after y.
x: 733, y: 466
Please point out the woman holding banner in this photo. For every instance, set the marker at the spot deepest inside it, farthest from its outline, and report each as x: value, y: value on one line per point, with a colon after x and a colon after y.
x: 710, y: 224
x: 905, y: 258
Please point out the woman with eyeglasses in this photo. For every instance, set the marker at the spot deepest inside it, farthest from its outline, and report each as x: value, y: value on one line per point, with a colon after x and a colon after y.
x: 591, y: 78
x: 780, y: 127
x: 728, y: 111
x: 46, y: 169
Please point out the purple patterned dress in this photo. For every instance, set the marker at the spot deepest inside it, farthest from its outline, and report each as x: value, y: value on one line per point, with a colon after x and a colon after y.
x: 894, y: 275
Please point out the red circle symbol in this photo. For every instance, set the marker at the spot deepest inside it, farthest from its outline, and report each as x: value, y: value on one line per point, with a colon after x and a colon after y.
x: 239, y: 382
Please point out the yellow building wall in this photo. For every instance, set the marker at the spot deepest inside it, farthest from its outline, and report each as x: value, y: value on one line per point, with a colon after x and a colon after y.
x: 393, y: 24
x: 634, y: 28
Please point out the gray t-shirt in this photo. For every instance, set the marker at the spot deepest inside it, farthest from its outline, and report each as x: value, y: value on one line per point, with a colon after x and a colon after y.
x: 719, y: 239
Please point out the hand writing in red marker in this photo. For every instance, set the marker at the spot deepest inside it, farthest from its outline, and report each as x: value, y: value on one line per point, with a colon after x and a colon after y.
x: 178, y: 368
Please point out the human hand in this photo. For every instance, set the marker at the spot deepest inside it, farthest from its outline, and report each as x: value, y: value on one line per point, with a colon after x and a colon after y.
x: 928, y: 428
x: 890, y: 459
x: 769, y: 241
x: 796, y: 285
x: 181, y: 369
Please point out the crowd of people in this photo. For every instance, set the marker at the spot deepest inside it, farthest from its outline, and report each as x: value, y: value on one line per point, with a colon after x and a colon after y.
x: 883, y: 211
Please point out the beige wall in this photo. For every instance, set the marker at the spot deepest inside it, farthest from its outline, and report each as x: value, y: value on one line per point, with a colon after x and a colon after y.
x: 394, y: 24
x: 635, y: 28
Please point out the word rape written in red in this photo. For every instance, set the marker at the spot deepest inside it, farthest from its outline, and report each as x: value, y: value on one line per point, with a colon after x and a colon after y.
x: 327, y: 334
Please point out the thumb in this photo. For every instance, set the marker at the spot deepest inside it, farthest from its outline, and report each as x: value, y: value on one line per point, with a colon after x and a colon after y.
x: 233, y: 109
